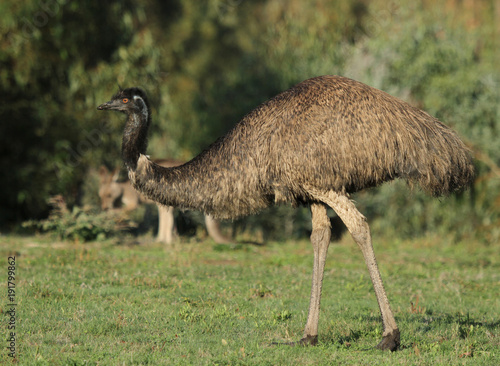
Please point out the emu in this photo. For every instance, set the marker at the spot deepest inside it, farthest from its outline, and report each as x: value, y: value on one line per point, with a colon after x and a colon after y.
x: 121, y: 195
x: 315, y: 143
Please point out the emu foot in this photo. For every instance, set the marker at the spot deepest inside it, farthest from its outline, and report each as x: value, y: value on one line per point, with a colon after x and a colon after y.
x: 390, y: 342
x: 308, y: 340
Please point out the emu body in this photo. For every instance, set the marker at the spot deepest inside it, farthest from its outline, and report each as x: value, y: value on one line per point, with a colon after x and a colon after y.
x: 314, y: 143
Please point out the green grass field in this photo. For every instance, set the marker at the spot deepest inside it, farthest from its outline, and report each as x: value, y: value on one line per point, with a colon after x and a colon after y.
x: 198, y: 303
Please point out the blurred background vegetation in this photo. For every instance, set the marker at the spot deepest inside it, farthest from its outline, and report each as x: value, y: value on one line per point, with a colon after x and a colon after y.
x: 206, y: 63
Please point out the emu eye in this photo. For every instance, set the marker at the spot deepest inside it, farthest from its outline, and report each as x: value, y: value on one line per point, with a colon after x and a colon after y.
x: 125, y: 100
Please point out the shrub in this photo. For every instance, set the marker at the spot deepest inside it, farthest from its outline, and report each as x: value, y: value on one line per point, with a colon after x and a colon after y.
x: 80, y: 224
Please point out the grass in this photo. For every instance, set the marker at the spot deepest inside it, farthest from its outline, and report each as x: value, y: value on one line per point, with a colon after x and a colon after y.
x: 204, y: 304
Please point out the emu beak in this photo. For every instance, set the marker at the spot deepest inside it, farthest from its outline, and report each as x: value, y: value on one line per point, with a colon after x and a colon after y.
x: 107, y: 105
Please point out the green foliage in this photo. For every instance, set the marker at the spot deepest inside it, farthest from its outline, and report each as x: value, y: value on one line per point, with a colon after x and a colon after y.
x: 206, y: 64
x: 283, y: 315
x: 445, y: 69
x: 46, y: 137
x: 80, y: 224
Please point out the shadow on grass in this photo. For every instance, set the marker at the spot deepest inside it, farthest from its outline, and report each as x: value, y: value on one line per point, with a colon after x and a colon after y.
x: 465, y: 326
x: 435, y: 318
x: 235, y: 246
x: 333, y: 338
x: 459, y: 319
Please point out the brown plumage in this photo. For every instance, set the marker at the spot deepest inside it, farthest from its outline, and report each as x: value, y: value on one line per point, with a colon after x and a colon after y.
x: 314, y: 144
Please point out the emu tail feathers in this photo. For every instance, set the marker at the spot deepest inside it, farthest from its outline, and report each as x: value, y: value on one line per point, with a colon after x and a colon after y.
x: 445, y: 165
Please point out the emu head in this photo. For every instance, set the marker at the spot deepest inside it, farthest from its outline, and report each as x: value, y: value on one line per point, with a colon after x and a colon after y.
x: 110, y: 191
x: 130, y: 100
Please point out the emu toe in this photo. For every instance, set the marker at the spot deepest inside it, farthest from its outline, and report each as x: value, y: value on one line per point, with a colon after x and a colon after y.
x: 390, y: 342
x: 306, y: 341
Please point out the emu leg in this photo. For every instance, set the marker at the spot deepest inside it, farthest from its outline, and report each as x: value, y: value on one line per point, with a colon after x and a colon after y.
x: 166, y: 224
x: 358, y: 227
x: 213, y: 228
x: 320, y: 239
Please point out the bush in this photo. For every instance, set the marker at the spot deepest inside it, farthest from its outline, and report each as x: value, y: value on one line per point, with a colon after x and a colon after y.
x: 80, y: 224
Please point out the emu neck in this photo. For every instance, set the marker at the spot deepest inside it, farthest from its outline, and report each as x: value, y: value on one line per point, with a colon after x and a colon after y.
x: 191, y: 186
x: 135, y: 139
x: 176, y: 186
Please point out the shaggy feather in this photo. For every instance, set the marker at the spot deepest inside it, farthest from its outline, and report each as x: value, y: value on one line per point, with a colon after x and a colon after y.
x: 328, y: 133
x: 314, y: 143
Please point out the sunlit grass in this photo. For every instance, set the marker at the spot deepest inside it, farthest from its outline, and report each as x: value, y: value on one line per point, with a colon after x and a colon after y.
x: 203, y: 304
